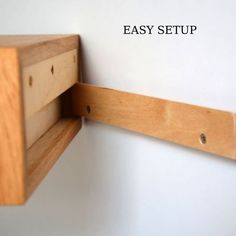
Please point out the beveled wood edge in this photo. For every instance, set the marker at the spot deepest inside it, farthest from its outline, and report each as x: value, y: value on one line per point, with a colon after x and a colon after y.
x: 45, y: 152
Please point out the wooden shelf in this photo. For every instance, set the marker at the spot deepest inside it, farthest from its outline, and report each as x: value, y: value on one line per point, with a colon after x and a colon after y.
x: 35, y: 72
x: 41, y: 102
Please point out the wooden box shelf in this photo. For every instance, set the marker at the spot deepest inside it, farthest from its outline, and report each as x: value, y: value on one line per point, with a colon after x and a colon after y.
x: 35, y: 73
x: 42, y: 100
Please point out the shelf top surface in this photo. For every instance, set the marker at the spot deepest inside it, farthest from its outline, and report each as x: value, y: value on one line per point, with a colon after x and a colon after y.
x: 27, y: 40
x: 36, y: 48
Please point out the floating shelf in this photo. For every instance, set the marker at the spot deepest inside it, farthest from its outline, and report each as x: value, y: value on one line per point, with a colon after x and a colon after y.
x: 36, y: 123
x: 42, y: 100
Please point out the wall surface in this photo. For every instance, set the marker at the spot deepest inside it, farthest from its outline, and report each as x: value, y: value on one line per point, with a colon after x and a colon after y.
x: 114, y: 182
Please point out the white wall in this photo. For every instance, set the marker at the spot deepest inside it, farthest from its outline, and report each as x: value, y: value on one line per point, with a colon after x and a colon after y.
x: 111, y: 181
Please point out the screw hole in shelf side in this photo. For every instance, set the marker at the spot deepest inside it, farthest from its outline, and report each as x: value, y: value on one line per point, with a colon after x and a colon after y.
x: 203, y: 139
x: 52, y: 69
x: 88, y: 109
x: 30, y: 81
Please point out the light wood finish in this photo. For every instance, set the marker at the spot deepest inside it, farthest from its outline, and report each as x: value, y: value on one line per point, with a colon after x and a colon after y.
x: 44, y: 101
x: 193, y: 126
x: 35, y: 48
x: 41, y: 121
x: 45, y: 152
x: 12, y: 162
x: 37, y: 122
x: 46, y: 80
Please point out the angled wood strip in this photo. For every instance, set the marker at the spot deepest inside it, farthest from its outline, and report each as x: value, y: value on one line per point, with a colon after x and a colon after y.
x: 197, y: 127
x: 45, y: 152
x: 44, y: 81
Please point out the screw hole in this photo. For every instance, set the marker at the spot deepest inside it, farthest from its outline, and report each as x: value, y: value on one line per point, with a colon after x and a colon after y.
x: 203, y: 138
x: 88, y: 109
x: 30, y: 81
x: 74, y: 59
x: 52, y: 69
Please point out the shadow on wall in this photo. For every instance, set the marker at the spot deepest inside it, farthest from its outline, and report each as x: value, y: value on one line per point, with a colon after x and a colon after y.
x: 114, y: 186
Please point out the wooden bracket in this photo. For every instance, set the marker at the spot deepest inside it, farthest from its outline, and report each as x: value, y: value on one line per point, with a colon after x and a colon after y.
x: 196, y: 127
x: 41, y: 102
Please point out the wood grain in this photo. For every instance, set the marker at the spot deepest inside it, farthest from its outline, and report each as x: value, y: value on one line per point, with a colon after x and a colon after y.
x: 197, y: 127
x: 41, y: 121
x: 35, y: 48
x: 27, y: 113
x: 46, y: 80
x: 45, y: 152
x: 12, y: 162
